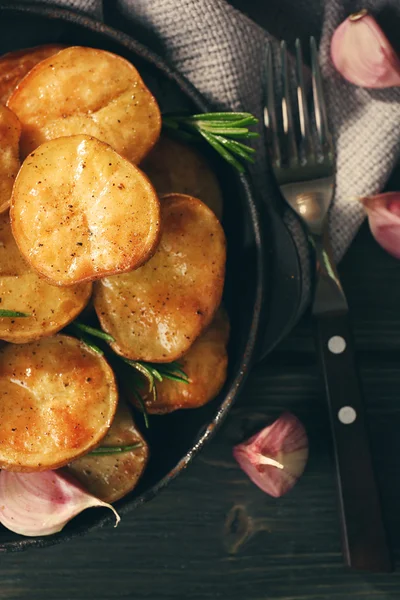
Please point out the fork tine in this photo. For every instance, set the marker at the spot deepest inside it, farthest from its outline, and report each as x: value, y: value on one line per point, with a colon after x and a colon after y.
x: 307, y: 139
x: 270, y: 120
x: 321, y: 119
x: 287, y: 113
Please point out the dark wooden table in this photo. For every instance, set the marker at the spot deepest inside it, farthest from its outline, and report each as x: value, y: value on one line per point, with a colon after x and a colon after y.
x: 212, y: 534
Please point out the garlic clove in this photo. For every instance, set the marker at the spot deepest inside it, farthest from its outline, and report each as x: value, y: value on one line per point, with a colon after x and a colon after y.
x: 42, y: 503
x: 383, y: 211
x: 275, y: 457
x: 362, y: 53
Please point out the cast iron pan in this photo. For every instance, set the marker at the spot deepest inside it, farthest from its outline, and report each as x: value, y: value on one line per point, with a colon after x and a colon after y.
x: 262, y: 268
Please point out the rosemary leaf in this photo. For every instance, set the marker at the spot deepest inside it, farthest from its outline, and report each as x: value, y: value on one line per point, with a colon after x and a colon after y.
x: 142, y: 407
x: 155, y: 372
x: 155, y: 394
x: 235, y: 148
x: 227, y: 131
x: 236, y: 144
x: 167, y: 371
x: 174, y: 377
x: 158, y: 371
x: 222, y: 151
x: 182, y: 374
x: 176, y: 368
x: 250, y: 120
x: 13, y: 313
x: 104, y: 450
x: 226, y: 125
x: 143, y: 370
x: 93, y: 331
x: 88, y: 342
x: 170, y: 370
x: 223, y: 116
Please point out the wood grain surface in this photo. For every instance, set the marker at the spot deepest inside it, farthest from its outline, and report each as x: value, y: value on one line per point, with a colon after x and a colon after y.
x: 212, y: 534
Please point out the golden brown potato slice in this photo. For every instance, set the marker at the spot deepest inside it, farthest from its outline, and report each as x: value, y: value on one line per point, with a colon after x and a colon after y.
x: 80, y: 211
x: 57, y: 401
x: 10, y: 131
x: 110, y: 477
x: 175, y: 167
x: 205, y: 364
x: 15, y: 65
x: 22, y: 289
x: 88, y: 91
x: 156, y: 312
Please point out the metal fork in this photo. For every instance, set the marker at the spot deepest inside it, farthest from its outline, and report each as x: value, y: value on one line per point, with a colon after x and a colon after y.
x: 304, y: 166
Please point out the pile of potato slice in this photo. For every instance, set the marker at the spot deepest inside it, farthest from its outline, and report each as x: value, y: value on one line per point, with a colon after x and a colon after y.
x: 96, y: 206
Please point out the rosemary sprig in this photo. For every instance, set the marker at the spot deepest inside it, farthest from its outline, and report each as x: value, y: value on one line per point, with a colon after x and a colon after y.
x: 221, y: 130
x: 85, y: 332
x: 13, y: 313
x: 152, y: 372
x: 158, y: 371
x: 170, y: 371
x: 143, y: 370
x: 115, y: 449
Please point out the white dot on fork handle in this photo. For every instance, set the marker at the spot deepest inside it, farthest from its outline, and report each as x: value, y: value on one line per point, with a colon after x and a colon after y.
x: 337, y: 344
x: 347, y: 415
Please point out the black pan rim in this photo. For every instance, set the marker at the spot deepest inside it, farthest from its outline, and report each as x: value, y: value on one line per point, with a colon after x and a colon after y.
x: 15, y: 9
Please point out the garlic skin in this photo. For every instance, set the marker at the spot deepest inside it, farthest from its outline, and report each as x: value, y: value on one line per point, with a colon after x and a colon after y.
x: 383, y: 213
x: 42, y: 503
x: 363, y: 55
x: 275, y: 457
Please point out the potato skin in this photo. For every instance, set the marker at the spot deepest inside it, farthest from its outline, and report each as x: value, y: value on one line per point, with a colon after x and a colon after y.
x: 57, y: 401
x: 111, y: 477
x: 78, y: 195
x: 15, y: 65
x: 156, y: 312
x: 205, y: 364
x: 87, y: 91
x: 51, y: 308
x: 175, y: 167
x: 10, y: 131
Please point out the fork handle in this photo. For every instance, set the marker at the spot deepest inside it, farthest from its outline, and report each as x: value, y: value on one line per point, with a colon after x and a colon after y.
x: 363, y: 534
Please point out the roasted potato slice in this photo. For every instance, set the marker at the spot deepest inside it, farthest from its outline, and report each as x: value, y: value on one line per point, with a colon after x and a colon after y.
x: 87, y: 91
x: 80, y: 211
x: 156, y: 312
x: 15, y: 65
x: 10, y: 131
x: 175, y: 167
x: 57, y: 400
x: 205, y: 365
x: 22, y: 289
x: 110, y: 477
